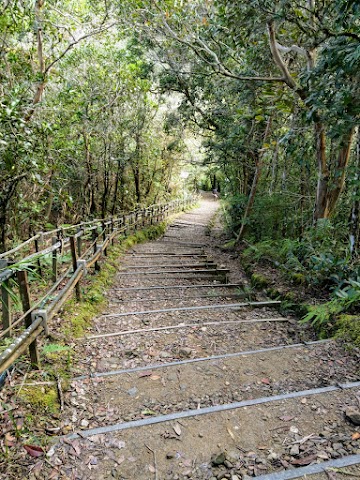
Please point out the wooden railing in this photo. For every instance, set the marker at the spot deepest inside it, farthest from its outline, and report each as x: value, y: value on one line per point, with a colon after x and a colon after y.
x: 60, y: 257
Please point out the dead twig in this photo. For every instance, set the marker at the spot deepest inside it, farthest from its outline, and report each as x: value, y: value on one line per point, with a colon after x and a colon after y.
x: 155, y: 462
x: 22, y: 383
x: 60, y: 392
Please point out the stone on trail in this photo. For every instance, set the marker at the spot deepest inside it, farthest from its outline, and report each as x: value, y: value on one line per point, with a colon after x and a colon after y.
x: 353, y: 414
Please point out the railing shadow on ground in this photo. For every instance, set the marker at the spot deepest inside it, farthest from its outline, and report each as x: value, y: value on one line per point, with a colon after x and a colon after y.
x: 60, y: 257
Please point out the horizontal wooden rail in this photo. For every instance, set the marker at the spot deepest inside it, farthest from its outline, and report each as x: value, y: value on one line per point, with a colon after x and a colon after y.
x: 87, y: 244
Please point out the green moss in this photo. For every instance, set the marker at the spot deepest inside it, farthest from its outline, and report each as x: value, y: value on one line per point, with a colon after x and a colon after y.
x: 229, y: 245
x: 291, y: 296
x: 44, y: 398
x: 258, y: 280
x: 273, y: 293
x: 348, y: 328
x: 298, y: 278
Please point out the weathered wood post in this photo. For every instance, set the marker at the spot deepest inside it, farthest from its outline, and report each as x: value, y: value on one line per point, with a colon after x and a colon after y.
x: 26, y: 303
x: 74, y: 262
x: 39, y: 270
x: 104, y: 228
x: 112, y: 230
x: 125, y: 226
x: 79, y: 241
x: 54, y: 260
x: 5, y: 300
x: 94, y: 239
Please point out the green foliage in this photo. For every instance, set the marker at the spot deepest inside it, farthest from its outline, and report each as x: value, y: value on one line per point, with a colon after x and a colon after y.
x: 319, y: 259
x: 346, y: 299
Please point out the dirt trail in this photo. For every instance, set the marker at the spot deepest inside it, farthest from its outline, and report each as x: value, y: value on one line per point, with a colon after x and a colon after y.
x: 227, y: 389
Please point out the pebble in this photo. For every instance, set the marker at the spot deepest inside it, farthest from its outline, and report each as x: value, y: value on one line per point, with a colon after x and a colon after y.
x: 272, y: 456
x: 185, y: 351
x: 353, y: 414
x: 218, y: 458
x: 84, y: 423
x: 294, y: 450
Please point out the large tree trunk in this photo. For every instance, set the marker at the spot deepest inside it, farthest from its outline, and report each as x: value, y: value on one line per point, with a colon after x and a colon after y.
x: 330, y: 184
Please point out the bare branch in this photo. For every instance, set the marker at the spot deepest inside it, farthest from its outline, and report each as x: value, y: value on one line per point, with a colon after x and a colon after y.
x: 218, y: 66
x: 293, y: 48
x: 278, y: 58
x: 75, y: 42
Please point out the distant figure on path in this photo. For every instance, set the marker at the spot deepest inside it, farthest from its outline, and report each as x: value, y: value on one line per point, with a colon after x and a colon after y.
x: 215, y: 193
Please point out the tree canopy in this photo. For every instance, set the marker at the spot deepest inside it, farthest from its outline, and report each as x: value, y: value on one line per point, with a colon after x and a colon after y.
x: 98, y: 99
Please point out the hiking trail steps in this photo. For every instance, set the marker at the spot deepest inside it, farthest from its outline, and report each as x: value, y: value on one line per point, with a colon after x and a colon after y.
x: 190, y: 374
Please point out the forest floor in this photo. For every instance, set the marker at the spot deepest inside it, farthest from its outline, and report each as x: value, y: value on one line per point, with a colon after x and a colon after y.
x: 181, y: 378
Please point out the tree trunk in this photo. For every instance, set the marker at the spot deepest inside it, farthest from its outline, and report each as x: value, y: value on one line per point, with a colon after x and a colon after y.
x: 329, y: 186
x: 258, y: 169
x: 355, y: 210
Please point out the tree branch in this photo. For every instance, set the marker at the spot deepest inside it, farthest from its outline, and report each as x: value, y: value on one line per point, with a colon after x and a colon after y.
x: 278, y: 58
x: 75, y: 42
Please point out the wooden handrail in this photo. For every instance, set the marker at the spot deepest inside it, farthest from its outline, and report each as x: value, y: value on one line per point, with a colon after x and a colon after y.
x: 36, y: 320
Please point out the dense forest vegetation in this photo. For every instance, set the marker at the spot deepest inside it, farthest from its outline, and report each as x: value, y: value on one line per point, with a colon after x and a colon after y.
x: 99, y: 97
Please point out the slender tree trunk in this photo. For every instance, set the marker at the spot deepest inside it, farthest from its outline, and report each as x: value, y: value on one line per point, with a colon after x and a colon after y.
x: 118, y: 178
x: 355, y: 210
x: 321, y: 207
x: 40, y: 54
x: 258, y: 169
x: 340, y: 171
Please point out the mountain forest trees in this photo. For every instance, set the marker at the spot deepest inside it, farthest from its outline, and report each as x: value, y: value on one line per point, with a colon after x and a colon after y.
x: 98, y: 97
x: 82, y: 127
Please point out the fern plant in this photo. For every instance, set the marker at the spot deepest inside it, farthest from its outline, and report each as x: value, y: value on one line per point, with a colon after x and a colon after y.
x: 345, y: 299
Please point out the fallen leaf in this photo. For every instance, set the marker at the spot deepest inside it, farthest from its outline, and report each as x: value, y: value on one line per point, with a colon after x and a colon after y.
x: 304, y: 461
x: 177, y: 429
x: 53, y: 474
x: 9, y: 440
x: 145, y: 374
x: 36, y: 469
x: 266, y: 381
x: 355, y: 436
x: 147, y: 412
x: 34, y: 450
x: 286, y: 418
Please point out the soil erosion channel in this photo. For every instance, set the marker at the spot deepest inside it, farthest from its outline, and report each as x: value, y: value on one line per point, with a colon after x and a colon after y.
x: 189, y: 374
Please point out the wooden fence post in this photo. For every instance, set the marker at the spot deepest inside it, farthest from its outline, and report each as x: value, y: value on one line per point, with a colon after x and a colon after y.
x: 74, y: 262
x: 79, y: 242
x: 104, y: 228
x: 26, y: 303
x: 94, y: 239
x: 39, y: 270
x: 54, y: 261
x: 6, y: 301
x: 112, y: 230
x: 125, y: 226
x: 136, y: 220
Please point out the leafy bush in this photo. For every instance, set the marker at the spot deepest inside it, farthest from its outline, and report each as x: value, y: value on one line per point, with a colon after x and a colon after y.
x: 344, y: 300
x: 318, y: 260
